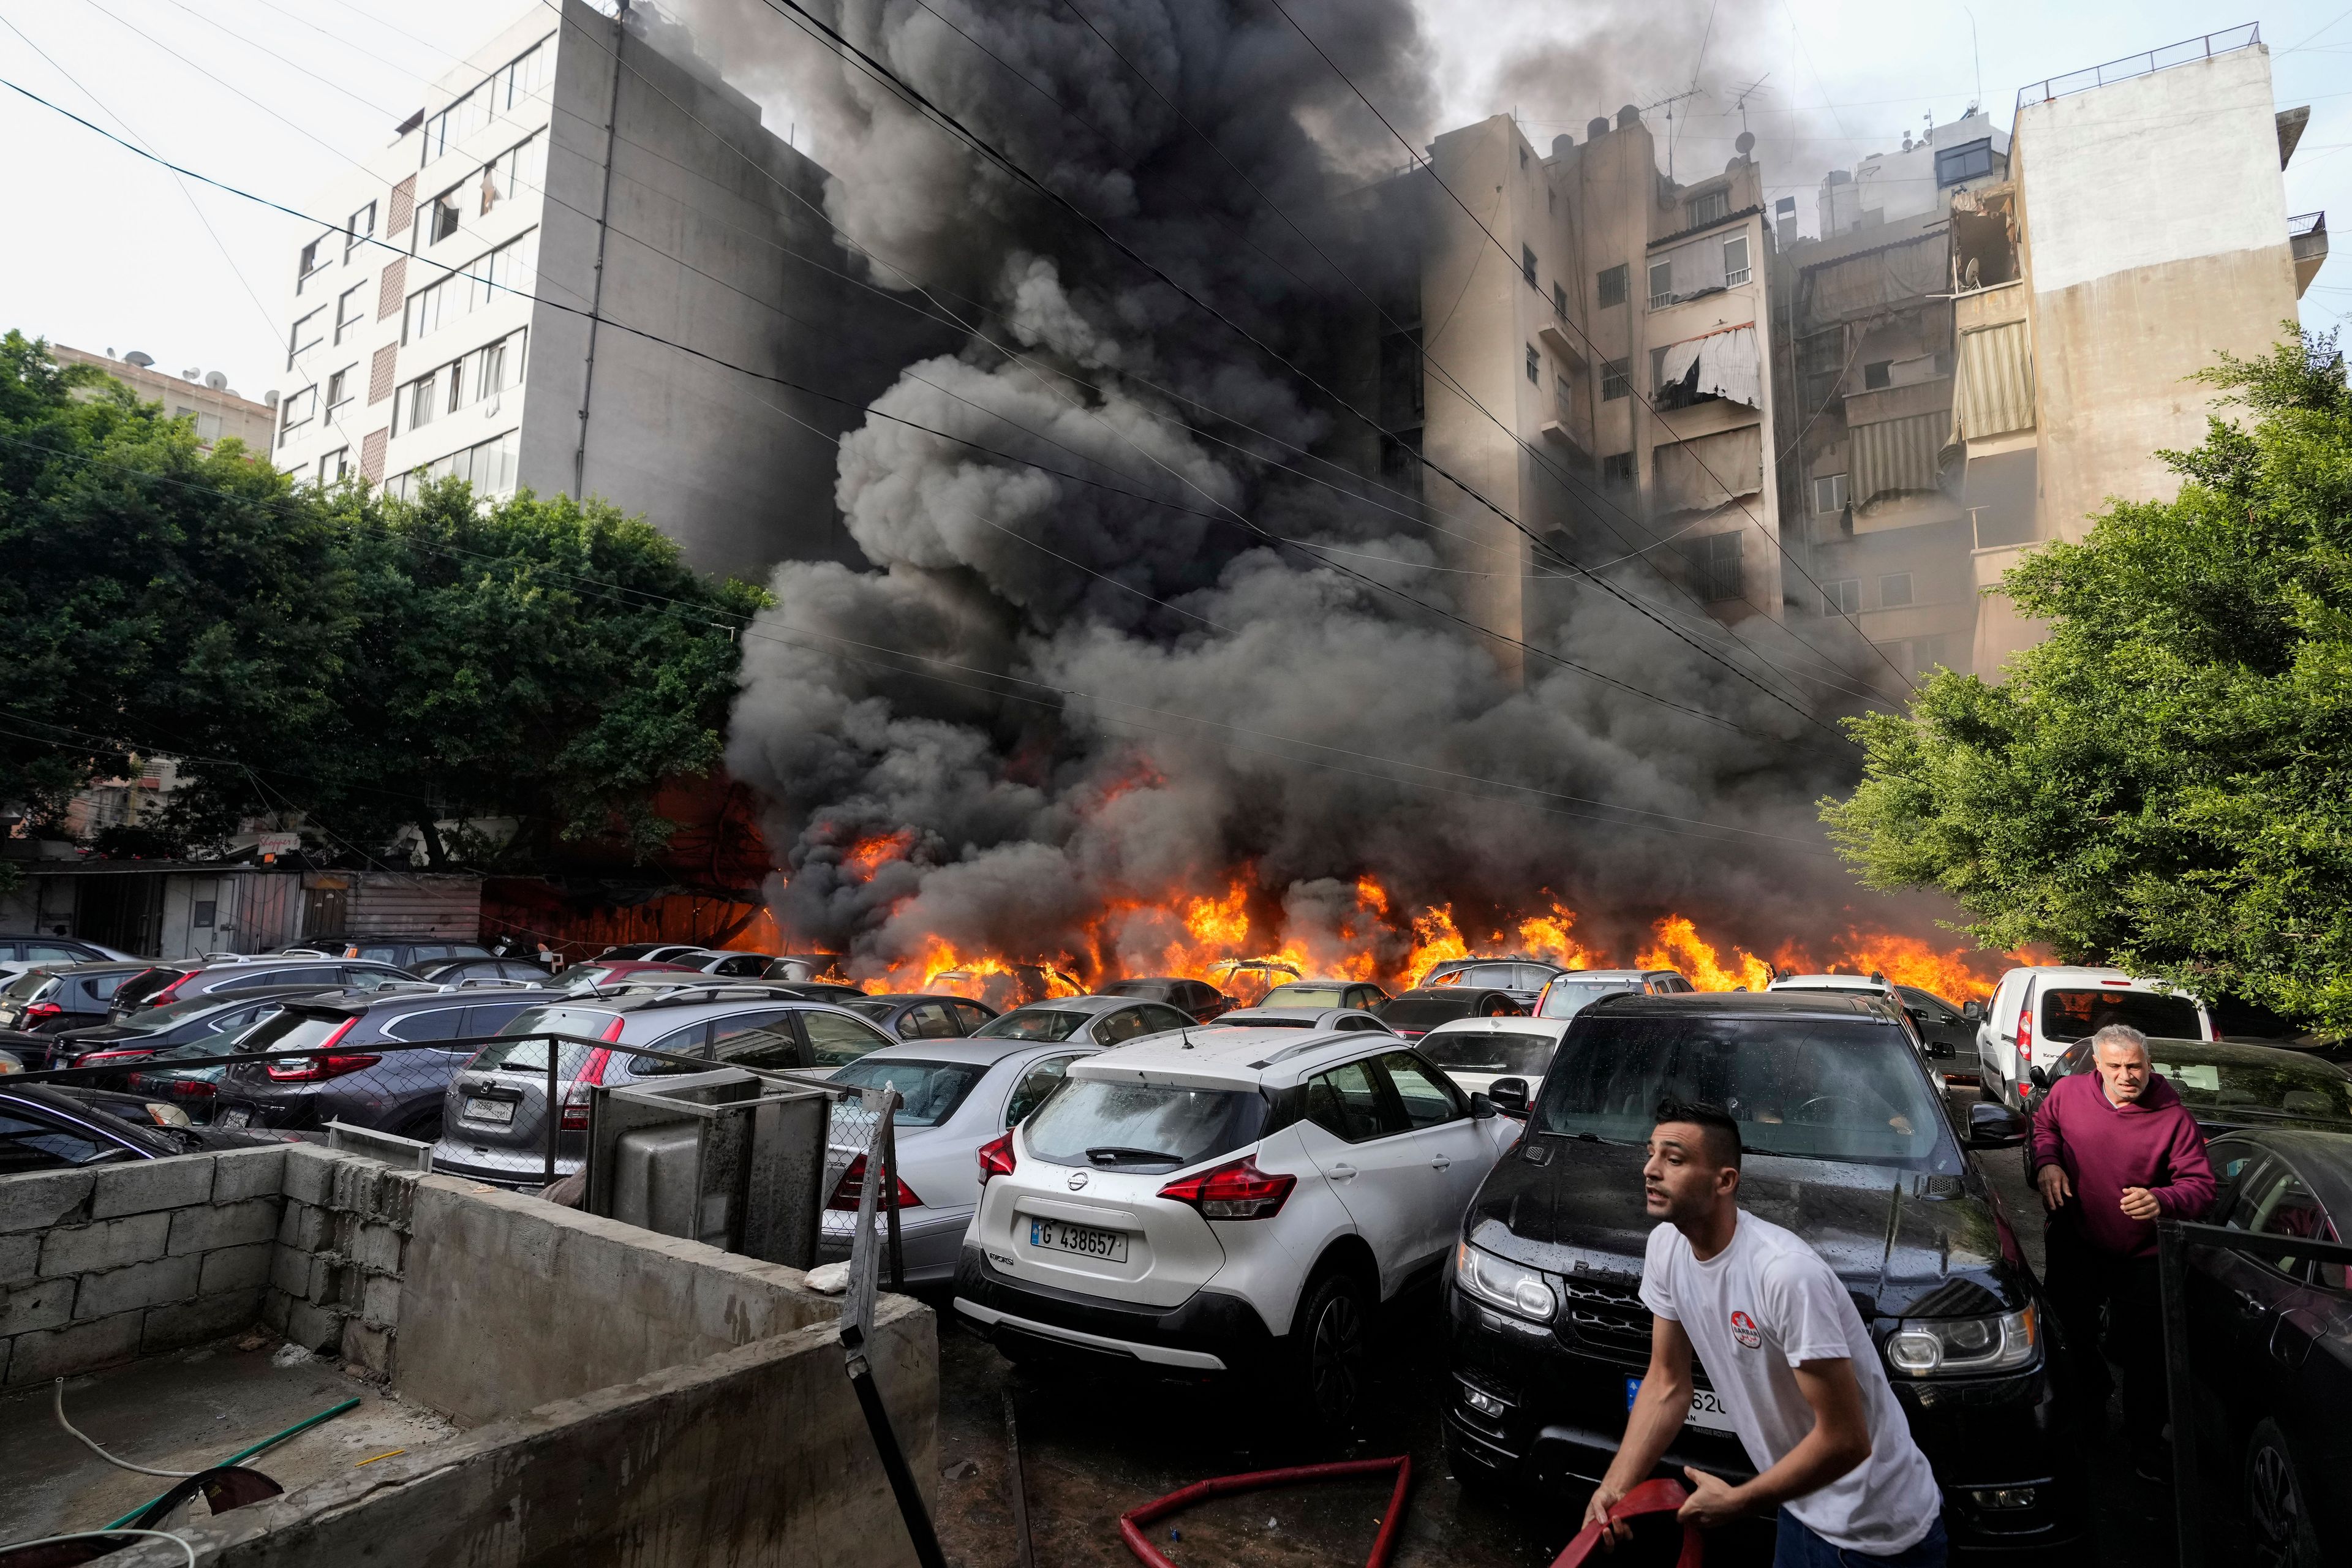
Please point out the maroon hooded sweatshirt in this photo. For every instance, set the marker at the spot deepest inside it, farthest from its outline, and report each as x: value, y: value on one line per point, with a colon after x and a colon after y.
x: 2153, y: 1143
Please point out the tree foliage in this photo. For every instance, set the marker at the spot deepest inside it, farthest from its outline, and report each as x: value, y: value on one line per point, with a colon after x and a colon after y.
x: 370, y: 665
x: 2166, y: 783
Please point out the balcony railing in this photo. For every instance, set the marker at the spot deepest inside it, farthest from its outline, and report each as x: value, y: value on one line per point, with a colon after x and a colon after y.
x: 2180, y: 54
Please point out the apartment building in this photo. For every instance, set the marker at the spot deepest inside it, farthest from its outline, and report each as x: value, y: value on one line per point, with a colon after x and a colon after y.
x: 196, y: 394
x: 1590, y: 354
x: 516, y: 290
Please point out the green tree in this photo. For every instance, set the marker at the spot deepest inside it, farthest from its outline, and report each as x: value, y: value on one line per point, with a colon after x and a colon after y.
x: 2165, y: 783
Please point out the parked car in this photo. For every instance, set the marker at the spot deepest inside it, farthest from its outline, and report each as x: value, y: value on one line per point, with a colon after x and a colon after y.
x: 1947, y: 1034
x: 405, y: 952
x: 1570, y: 991
x: 1327, y: 1018
x: 2271, y: 1342
x: 491, y: 971
x: 2036, y: 1012
x: 1358, y: 994
x: 163, y: 1028
x: 1103, y: 1020
x: 180, y: 981
x: 646, y: 953
x: 44, y: 1127
x: 494, y: 1121
x: 1412, y: 1013
x: 2228, y: 1086
x: 1474, y: 1052
x: 397, y: 1091
x: 54, y: 998
x: 817, y: 990
x: 598, y: 973
x: 1523, y: 978
x: 1848, y: 1143
x: 800, y: 967
x: 20, y: 953
x: 958, y: 1095
x: 1236, y: 1200
x: 725, y: 963
x: 920, y: 1016
x: 1201, y: 1000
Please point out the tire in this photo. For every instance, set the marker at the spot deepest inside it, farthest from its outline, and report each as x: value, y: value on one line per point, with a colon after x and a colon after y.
x: 1330, y: 1350
x: 2281, y: 1534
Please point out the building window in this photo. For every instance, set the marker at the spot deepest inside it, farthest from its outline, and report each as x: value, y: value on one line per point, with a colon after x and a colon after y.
x: 506, y: 88
x: 1828, y: 492
x: 1717, y: 556
x: 208, y: 428
x: 1965, y: 162
x: 1528, y: 265
x: 1614, y: 381
x: 507, y: 270
x: 1523, y: 157
x: 1563, y: 401
x: 359, y: 226
x: 313, y: 258
x: 1711, y: 206
x: 1661, y: 284
x: 350, y: 309
x: 1560, y: 300
x: 306, y: 334
x: 296, y: 412
x: 1894, y: 590
x: 1617, y: 469
x: 520, y: 167
x: 1735, y: 261
x: 489, y: 467
x: 437, y: 220
x: 461, y: 383
x: 1842, y: 596
x: 334, y: 466
x: 1611, y: 287
x: 1878, y: 374
x: 339, y: 390
x: 418, y: 404
x: 1535, y: 365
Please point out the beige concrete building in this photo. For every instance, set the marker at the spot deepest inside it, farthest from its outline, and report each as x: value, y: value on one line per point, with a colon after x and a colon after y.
x: 195, y: 394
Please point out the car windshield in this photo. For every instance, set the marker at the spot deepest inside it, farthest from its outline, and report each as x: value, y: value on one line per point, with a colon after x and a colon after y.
x: 1567, y: 998
x: 519, y: 1055
x: 1498, y: 1051
x: 155, y: 1020
x: 1049, y: 1024
x: 141, y: 986
x: 1147, y: 1127
x: 28, y: 985
x: 1425, y: 1012
x: 293, y: 1031
x: 2074, y: 1014
x: 1813, y: 1089
x: 872, y: 1008
x: 1155, y: 990
x: 1304, y: 996
x: 930, y: 1091
x: 2278, y: 1089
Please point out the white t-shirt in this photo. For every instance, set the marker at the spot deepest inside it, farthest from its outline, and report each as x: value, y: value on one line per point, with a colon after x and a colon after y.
x: 1754, y: 1311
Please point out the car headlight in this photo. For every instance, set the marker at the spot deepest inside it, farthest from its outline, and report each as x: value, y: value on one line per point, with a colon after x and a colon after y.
x: 1963, y: 1347
x: 1504, y: 1283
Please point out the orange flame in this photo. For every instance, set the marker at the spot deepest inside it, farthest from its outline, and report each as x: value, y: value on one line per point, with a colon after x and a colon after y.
x: 1956, y: 974
x: 1545, y: 937
x: 1680, y: 947
x: 866, y: 855
x: 1223, y: 921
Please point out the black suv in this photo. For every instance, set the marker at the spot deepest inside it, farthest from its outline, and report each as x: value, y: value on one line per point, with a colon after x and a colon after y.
x: 1848, y: 1144
x: 184, y: 980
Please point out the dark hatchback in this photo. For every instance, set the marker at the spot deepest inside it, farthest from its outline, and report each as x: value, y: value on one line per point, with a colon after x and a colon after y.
x: 1412, y: 1013
x: 1198, y: 998
x: 62, y: 996
x: 919, y: 1016
x: 1848, y: 1145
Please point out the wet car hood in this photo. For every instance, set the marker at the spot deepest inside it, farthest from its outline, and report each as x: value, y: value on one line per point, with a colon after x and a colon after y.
x: 1905, y: 1243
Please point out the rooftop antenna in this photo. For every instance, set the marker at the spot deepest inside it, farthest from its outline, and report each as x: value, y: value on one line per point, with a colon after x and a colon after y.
x: 1746, y: 92
x: 1979, y: 55
x: 1668, y: 105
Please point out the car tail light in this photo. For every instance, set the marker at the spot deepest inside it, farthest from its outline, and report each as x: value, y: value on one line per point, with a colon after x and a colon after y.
x: 326, y: 1065
x: 2024, y: 1037
x: 168, y: 994
x: 99, y: 1058
x: 42, y: 1010
x: 996, y: 1158
x: 853, y: 1188
x: 1235, y: 1191
x: 191, y: 1089
x: 592, y: 1072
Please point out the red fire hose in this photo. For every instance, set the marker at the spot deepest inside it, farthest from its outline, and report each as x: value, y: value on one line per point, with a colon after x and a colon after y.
x: 1650, y: 1497
x: 1131, y: 1522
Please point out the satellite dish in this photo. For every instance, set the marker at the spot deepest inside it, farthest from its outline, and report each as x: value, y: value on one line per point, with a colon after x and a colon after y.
x: 194, y: 373
x: 270, y: 398
x: 216, y: 380
x: 142, y: 360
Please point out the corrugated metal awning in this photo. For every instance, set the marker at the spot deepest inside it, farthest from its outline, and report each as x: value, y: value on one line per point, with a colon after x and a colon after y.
x: 1895, y: 455
x: 1995, y: 394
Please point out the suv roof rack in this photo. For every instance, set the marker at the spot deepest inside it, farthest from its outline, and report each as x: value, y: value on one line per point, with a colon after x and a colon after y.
x: 723, y: 991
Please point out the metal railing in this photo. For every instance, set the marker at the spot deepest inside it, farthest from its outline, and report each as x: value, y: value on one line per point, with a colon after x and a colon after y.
x: 2153, y: 60
x: 2305, y: 223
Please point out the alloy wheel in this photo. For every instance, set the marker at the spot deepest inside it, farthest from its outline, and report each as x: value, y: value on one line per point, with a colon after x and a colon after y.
x: 1336, y: 1356
x: 2283, y: 1536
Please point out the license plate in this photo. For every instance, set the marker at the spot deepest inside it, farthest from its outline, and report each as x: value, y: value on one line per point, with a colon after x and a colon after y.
x: 236, y: 1119
x: 1061, y: 1235
x: 1707, y: 1412
x: 498, y: 1110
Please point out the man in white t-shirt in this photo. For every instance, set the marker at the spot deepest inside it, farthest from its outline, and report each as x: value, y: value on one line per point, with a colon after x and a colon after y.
x: 1789, y: 1359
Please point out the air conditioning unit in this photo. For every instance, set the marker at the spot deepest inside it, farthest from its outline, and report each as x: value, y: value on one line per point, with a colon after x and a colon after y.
x: 723, y: 1157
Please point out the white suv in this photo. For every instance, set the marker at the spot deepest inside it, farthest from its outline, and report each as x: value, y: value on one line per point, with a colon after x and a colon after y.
x: 2037, y: 1013
x: 1227, y: 1199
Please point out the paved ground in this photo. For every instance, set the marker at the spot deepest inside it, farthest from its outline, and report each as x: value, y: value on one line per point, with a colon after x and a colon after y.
x: 184, y: 1412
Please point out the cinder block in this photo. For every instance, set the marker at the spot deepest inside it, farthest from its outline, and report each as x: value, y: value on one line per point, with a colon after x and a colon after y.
x: 376, y: 1248
x: 248, y: 1173
x: 238, y: 1269
x: 274, y: 1305
x: 43, y: 1304
x: 313, y: 1327
x: 44, y: 1198
x: 380, y: 1299
x: 20, y: 1258
x: 152, y: 1184
x: 224, y: 1225
x: 396, y: 1197
x: 369, y: 1345
x: 61, y: 1352
x: 194, y: 1323
x: 108, y: 1244
x: 289, y: 1270
x: 310, y: 1173
x: 323, y: 1281
x: 140, y: 1285
x: 302, y: 1227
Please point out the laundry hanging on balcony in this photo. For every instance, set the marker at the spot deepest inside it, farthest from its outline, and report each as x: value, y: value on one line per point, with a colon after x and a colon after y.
x: 1721, y: 363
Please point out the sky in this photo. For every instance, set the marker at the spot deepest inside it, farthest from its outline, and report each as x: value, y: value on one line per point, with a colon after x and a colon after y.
x: 108, y: 252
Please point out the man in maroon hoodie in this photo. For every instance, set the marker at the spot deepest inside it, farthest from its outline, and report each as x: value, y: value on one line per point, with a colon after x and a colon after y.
x: 2113, y: 1150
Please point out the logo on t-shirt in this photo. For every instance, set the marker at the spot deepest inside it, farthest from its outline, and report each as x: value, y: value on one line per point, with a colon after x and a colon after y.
x: 1743, y: 1328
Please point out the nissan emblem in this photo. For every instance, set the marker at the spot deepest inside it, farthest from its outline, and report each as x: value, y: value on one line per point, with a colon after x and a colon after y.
x: 1077, y: 1180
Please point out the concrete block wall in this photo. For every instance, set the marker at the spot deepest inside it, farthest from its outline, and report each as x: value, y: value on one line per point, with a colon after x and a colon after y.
x: 106, y: 1264
x: 339, y: 1254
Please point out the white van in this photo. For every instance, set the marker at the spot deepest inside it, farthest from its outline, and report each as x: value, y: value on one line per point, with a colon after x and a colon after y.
x: 2038, y: 1012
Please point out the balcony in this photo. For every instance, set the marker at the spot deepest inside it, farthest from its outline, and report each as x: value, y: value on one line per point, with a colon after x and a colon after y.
x: 2307, y: 235
x: 1556, y: 336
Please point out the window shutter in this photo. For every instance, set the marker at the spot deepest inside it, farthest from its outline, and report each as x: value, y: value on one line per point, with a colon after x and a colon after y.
x: 380, y: 372
x: 404, y: 208
x: 392, y: 290
x: 372, y: 456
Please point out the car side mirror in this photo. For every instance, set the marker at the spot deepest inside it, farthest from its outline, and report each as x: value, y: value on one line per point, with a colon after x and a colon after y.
x: 1509, y: 1096
x: 1940, y: 1050
x: 1989, y: 1126
x: 2038, y: 1077
x: 1972, y: 1013
x: 1481, y: 1108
